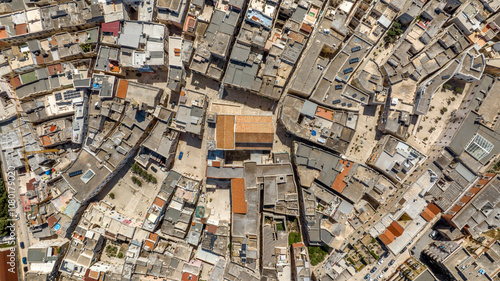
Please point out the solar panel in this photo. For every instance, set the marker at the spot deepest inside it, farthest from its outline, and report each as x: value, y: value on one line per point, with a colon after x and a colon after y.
x: 349, y: 70
x: 75, y: 173
x: 355, y: 49
x: 58, y: 96
x: 71, y: 95
x: 89, y: 174
x: 354, y: 60
x: 338, y: 87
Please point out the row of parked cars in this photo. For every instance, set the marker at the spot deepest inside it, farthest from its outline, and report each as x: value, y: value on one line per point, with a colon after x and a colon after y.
x: 374, y: 269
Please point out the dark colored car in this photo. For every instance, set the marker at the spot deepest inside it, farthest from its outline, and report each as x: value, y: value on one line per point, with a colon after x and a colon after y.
x: 391, y: 262
x: 180, y: 155
x: 387, y: 254
x: 25, y: 261
x: 22, y: 245
x: 367, y: 276
x: 373, y: 269
x: 25, y: 269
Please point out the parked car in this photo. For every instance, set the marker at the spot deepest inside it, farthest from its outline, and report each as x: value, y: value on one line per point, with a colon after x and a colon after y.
x: 387, y: 254
x: 380, y: 261
x: 367, y: 276
x: 25, y: 261
x: 380, y: 276
x: 154, y: 169
x: 22, y: 245
x: 391, y: 262
x: 385, y: 269
x: 373, y: 269
x: 180, y: 155
x: 433, y: 234
x: 25, y: 269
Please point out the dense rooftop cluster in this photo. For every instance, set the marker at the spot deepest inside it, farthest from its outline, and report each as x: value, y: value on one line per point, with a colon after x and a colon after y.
x: 251, y: 139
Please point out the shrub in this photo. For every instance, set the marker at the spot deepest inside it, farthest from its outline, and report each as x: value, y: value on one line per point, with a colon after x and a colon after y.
x: 137, y: 181
x: 4, y: 209
x: 294, y: 237
x: 393, y: 33
x: 280, y: 226
x: 112, y: 195
x: 317, y: 254
x: 85, y: 47
x: 136, y: 169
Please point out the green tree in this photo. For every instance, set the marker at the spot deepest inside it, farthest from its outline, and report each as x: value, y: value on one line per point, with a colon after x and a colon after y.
x: 317, y: 254
x: 294, y: 237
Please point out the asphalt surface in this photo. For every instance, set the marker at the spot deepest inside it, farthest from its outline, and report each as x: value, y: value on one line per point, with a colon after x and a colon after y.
x: 421, y: 244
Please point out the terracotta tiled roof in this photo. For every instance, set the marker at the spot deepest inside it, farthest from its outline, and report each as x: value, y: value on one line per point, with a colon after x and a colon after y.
x: 21, y: 28
x: 339, y: 184
x: 225, y: 132
x: 387, y: 237
x: 122, y: 89
x: 238, y: 196
x: 431, y: 211
x: 91, y: 275
x: 39, y: 59
x: 45, y: 140
x: 249, y: 137
x: 434, y: 208
x: 159, y: 202
x: 253, y: 119
x: 113, y: 27
x: 465, y: 199
x: 427, y: 215
x: 396, y: 229
x: 52, y: 220
x: 211, y: 228
x: 55, y: 69
x: 186, y: 276
x: 153, y: 236
x: 327, y: 114
x: 306, y: 28
x: 3, y: 33
x: 298, y: 244
x: 16, y: 82
x: 30, y: 186
x: 254, y: 129
x: 149, y: 244
x: 244, y: 130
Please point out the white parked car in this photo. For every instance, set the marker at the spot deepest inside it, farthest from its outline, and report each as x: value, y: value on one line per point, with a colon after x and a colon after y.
x: 380, y: 261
